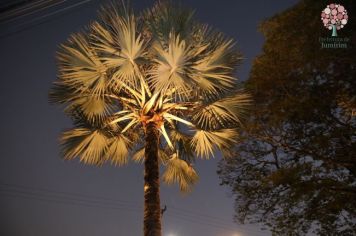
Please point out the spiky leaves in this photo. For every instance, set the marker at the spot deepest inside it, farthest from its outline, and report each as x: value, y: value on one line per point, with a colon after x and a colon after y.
x: 80, y: 67
x: 171, y: 64
x: 205, y: 142
x: 118, y: 150
x: 125, y: 73
x: 222, y: 113
x: 179, y: 171
x: 194, y: 69
x: 94, y: 146
x: 82, y: 79
x: 182, y: 143
x: 214, y: 68
x: 116, y: 37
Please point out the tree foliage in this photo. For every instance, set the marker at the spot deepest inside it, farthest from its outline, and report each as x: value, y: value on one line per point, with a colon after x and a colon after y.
x: 161, y: 66
x: 295, y: 169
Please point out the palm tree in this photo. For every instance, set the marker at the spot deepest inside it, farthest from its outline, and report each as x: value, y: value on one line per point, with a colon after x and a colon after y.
x: 158, y: 88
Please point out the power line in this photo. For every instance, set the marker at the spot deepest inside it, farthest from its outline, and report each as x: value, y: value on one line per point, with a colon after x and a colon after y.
x: 208, y: 218
x: 205, y: 223
x: 44, y: 190
x: 85, y: 203
x: 48, y: 4
x: 106, y: 203
x: 21, y: 9
x: 192, y: 212
x: 44, y: 16
x: 62, y: 200
x: 70, y: 198
x: 7, y: 6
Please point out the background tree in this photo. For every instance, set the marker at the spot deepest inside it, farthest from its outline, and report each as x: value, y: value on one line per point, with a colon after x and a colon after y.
x: 158, y: 88
x: 295, y: 168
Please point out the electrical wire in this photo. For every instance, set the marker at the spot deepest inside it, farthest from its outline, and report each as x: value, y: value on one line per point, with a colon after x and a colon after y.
x: 109, y: 203
x: 44, y: 190
x: 203, y: 218
x: 22, y: 9
x: 42, y: 17
x: 19, y: 16
x: 7, y: 8
x: 85, y: 203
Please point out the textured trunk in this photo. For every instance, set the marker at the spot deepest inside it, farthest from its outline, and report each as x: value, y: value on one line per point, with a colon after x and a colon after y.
x: 152, y: 213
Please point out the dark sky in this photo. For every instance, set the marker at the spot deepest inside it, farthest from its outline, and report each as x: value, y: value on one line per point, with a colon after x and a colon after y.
x: 42, y: 195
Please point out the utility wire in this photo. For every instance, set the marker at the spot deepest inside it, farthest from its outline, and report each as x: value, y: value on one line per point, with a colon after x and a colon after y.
x: 44, y: 16
x: 31, y: 196
x: 19, y: 16
x: 18, y: 8
x: 15, y: 6
x: 82, y: 200
x: 70, y: 198
x: 85, y: 203
x: 44, y: 190
x: 22, y: 9
x: 208, y: 219
x: 207, y: 223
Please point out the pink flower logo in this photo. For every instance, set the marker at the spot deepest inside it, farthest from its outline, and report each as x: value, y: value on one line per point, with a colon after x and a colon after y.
x: 334, y: 17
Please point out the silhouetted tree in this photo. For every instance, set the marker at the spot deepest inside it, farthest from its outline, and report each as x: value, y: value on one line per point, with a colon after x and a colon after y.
x: 295, y: 169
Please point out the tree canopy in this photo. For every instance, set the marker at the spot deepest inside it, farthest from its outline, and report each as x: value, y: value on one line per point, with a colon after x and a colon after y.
x: 157, y: 87
x: 295, y: 168
x: 163, y: 67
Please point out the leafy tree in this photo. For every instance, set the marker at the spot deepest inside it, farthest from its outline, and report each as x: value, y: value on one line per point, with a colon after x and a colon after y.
x: 295, y: 168
x: 158, y: 87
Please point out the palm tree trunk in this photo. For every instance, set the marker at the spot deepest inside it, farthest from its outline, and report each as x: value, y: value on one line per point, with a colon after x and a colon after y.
x: 152, y: 212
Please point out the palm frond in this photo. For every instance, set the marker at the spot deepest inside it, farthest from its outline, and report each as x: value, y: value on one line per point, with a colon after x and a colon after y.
x: 169, y: 117
x: 179, y: 171
x: 169, y: 70
x: 126, y: 119
x: 223, y: 112
x: 120, y: 45
x: 182, y: 143
x: 166, y: 136
x: 89, y: 145
x: 80, y: 67
x: 93, y: 107
x: 118, y: 150
x: 61, y: 93
x: 215, y: 67
x: 204, y: 142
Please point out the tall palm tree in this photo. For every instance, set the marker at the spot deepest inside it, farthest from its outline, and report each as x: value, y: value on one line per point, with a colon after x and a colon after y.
x: 158, y: 88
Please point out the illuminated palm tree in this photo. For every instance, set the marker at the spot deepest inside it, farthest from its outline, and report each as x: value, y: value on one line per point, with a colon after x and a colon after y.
x: 158, y: 88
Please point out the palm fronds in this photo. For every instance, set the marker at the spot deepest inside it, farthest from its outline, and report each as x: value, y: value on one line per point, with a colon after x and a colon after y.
x: 204, y: 142
x: 225, y: 112
x: 179, y: 171
x: 94, y: 147
x: 162, y: 67
x: 89, y: 145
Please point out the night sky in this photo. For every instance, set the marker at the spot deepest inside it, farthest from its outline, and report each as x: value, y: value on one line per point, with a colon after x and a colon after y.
x: 43, y: 195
